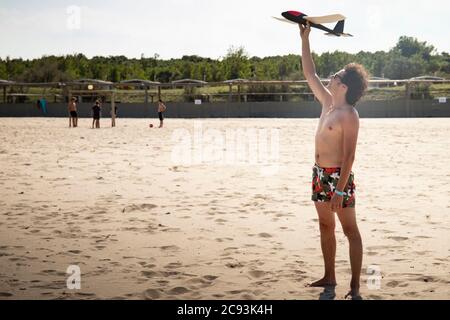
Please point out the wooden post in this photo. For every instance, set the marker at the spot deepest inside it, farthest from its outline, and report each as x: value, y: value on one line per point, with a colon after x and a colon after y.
x: 408, y: 90
x: 113, y: 108
x: 230, y: 94
x: 4, y: 94
x: 239, y: 93
x: 159, y: 92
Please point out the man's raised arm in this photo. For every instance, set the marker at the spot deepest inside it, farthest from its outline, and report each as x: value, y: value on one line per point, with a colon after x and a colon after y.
x: 309, y: 70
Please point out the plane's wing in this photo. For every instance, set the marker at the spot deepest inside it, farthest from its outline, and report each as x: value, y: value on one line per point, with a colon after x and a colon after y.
x: 284, y: 20
x: 325, y: 19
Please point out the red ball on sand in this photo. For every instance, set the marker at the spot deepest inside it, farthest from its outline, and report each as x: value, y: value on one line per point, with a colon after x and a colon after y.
x: 150, y: 125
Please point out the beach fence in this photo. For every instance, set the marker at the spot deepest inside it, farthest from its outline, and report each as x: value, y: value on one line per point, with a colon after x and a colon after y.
x: 189, y: 98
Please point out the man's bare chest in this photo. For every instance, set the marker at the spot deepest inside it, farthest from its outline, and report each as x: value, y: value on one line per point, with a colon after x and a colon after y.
x: 329, y: 124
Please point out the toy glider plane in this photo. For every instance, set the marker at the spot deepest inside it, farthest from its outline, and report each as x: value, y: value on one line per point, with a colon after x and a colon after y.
x: 295, y: 17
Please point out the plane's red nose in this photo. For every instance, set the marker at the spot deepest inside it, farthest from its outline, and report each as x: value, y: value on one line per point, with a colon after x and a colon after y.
x: 295, y: 13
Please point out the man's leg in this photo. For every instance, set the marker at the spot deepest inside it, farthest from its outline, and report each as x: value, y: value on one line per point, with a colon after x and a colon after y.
x: 347, y: 217
x: 327, y: 242
x: 76, y: 121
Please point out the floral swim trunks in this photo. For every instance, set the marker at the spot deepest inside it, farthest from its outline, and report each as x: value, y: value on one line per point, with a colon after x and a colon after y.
x: 324, y: 182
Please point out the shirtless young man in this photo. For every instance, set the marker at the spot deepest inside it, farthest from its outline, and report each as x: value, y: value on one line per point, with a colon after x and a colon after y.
x: 96, y: 110
x: 161, y: 109
x: 333, y: 188
x: 73, y: 120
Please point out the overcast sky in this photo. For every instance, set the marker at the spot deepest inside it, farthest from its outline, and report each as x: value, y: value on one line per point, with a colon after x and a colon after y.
x: 173, y: 28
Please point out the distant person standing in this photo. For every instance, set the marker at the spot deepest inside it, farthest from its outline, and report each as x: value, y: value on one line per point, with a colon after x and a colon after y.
x: 42, y: 105
x: 96, y: 114
x: 113, y: 116
x: 73, y: 115
x: 161, y: 109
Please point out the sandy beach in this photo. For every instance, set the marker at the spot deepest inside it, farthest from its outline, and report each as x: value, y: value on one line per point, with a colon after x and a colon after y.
x: 140, y: 225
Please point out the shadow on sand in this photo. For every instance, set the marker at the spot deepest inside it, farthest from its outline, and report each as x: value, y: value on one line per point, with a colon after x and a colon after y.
x: 328, y: 293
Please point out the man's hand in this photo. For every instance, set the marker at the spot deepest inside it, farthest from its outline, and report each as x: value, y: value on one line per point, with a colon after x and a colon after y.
x: 304, y: 30
x: 336, y: 202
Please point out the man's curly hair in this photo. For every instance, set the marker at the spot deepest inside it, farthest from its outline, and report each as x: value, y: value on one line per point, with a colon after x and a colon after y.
x: 355, y: 78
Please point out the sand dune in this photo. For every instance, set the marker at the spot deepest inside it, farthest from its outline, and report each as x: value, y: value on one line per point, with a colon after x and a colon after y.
x: 141, y: 226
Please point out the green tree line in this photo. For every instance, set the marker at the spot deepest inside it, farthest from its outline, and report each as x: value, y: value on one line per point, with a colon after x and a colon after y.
x: 410, y: 57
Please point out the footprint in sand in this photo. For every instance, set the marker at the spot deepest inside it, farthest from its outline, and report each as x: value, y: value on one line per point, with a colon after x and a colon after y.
x: 233, y: 292
x: 169, y: 248
x: 402, y: 285
x: 411, y: 294
x: 151, y: 294
x: 234, y: 265
x: 5, y: 294
x: 140, y: 207
x: 421, y: 253
x: 264, y: 235
x: 170, y: 274
x: 178, y: 290
x: 86, y: 294
x: 4, y: 254
x: 201, y: 281
x: 398, y: 238
x: 392, y: 284
x: 257, y: 273
x: 53, y: 273
x: 173, y: 265
x: 223, y: 239
x: 428, y: 279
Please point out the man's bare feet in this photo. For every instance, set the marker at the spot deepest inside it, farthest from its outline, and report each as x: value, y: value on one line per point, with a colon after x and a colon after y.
x: 324, y: 282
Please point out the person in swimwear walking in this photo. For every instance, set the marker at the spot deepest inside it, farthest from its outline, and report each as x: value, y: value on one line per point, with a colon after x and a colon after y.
x: 333, y: 187
x: 73, y: 115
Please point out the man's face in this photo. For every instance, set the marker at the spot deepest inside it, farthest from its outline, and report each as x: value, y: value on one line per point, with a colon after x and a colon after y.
x: 335, y: 85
